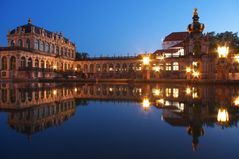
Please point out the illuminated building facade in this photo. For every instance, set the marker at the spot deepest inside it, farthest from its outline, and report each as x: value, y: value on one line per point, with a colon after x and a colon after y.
x: 34, y: 53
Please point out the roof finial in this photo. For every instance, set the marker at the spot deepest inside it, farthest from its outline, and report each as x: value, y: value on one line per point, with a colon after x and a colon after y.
x: 29, y: 21
x: 195, y: 13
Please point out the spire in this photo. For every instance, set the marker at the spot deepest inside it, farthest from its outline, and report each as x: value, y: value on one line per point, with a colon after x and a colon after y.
x: 196, y: 26
x: 29, y: 21
x: 195, y: 15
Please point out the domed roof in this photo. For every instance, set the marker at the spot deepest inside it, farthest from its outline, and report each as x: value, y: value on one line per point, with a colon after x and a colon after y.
x: 196, y: 26
x: 29, y: 27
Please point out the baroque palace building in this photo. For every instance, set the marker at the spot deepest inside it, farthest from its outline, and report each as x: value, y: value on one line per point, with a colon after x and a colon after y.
x: 36, y: 53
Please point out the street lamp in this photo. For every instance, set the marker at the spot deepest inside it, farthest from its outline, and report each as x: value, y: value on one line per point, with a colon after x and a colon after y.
x: 188, y: 69
x: 222, y: 51
x: 54, y: 67
x: 188, y: 90
x: 195, y: 74
x: 156, y: 68
x: 146, y: 60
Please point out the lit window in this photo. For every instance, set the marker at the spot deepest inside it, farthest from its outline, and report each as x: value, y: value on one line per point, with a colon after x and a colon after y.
x: 168, y: 92
x: 175, y: 92
x: 168, y: 67
x: 175, y: 66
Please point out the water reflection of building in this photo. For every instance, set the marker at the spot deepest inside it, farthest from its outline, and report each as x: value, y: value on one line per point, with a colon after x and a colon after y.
x: 41, y: 117
x: 33, y: 109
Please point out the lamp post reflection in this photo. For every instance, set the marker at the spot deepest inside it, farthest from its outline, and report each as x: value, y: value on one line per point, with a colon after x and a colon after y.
x: 146, y: 103
x: 222, y: 116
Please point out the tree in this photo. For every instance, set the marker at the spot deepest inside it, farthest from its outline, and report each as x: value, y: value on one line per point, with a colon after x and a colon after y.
x: 82, y: 55
x: 221, y: 39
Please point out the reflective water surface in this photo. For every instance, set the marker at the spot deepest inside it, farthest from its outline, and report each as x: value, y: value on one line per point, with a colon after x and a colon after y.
x: 118, y: 121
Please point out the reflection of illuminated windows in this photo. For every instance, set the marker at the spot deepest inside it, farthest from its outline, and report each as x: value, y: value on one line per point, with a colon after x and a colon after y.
x: 167, y: 103
x: 156, y: 92
x: 236, y: 101
x: 168, y: 92
x: 137, y: 91
x: 175, y: 66
x: 175, y: 92
x: 160, y: 101
x: 168, y: 67
x: 181, y: 106
x: 194, y: 93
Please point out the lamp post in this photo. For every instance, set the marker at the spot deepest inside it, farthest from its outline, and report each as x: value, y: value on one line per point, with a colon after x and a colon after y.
x: 223, y: 51
x: 146, y: 64
x: 188, y: 72
x: 223, y: 63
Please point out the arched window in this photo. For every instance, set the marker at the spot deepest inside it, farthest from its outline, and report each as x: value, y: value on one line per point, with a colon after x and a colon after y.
x: 37, y: 45
x: 72, y: 54
x: 62, y: 65
x: 4, y: 95
x: 36, y: 63
x: 138, y: 67
x: 23, y: 62
x: 85, y: 68
x: 98, y: 68
x: 69, y: 52
x: 29, y: 63
x: 124, y: 67
x: 131, y: 67
x: 12, y: 95
x: 91, y: 68
x: 42, y: 64
x: 12, y: 63
x: 62, y: 50
x: 52, y: 65
x: 66, y: 52
x: 111, y: 68
x: 117, y: 67
x: 42, y: 46
x: 57, y: 50
x: 78, y: 67
x: 53, y: 48
x: 66, y: 67
x: 47, y: 49
x: 20, y: 43
x: 4, y: 63
x: 104, y: 68
x: 47, y: 64
x: 12, y: 43
x: 28, y: 43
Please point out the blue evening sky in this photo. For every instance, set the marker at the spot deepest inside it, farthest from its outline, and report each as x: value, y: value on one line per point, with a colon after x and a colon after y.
x: 117, y: 27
